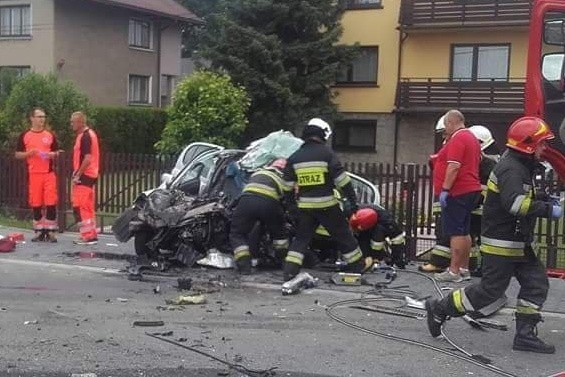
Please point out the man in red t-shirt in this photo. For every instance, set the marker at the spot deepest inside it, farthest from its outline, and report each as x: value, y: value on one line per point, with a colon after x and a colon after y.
x: 86, y: 159
x: 39, y: 147
x: 459, y: 189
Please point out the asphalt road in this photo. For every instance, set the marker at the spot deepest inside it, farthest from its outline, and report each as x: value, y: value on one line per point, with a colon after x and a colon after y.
x: 63, y: 312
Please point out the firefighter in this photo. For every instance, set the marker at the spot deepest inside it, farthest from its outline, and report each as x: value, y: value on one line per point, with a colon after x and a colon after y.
x: 489, y: 158
x: 38, y: 146
x: 441, y: 252
x: 510, y: 212
x: 86, y: 157
x: 261, y: 201
x: 316, y: 171
x: 376, y: 229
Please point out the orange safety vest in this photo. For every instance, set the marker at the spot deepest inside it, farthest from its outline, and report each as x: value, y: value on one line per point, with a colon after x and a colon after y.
x: 87, y: 143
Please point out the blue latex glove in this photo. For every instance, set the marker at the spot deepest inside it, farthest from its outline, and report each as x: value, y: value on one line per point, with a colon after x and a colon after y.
x: 43, y: 155
x: 556, y: 211
x: 443, y: 198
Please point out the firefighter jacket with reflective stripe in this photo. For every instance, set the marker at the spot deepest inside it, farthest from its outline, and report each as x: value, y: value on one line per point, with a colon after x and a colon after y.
x: 316, y: 170
x: 267, y: 183
x: 386, y: 227
x: 485, y: 168
x: 510, y: 209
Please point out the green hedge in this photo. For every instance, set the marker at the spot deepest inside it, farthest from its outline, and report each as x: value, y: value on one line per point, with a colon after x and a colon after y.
x: 129, y: 130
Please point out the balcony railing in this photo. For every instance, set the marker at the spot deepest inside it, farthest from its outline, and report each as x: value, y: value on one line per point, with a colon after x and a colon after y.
x: 437, y: 95
x: 458, y: 13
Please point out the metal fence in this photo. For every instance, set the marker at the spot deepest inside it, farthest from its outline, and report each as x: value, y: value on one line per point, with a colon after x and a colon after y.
x: 122, y: 178
x: 406, y: 191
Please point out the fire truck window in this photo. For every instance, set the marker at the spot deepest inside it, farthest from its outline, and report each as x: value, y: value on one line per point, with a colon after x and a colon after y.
x: 552, y: 67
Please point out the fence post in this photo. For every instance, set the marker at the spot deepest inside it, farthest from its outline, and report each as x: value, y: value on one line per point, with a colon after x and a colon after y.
x: 411, y: 221
x: 63, y: 173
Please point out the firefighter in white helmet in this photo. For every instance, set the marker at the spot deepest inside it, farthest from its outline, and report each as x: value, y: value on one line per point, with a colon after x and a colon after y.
x: 316, y: 170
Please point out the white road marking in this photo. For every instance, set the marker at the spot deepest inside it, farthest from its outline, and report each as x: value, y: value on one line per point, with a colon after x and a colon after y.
x: 100, y: 270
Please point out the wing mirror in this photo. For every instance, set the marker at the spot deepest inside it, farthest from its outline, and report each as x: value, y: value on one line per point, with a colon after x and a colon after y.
x: 554, y: 31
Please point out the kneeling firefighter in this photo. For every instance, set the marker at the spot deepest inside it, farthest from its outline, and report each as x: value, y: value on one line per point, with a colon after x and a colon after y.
x: 376, y: 229
x: 316, y: 171
x: 261, y: 201
x: 510, y: 212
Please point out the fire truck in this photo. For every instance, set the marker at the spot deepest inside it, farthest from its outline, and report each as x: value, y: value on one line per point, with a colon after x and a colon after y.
x: 545, y: 78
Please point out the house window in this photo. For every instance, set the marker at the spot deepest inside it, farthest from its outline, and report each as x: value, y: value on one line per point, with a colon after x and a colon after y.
x: 139, y: 91
x: 140, y: 34
x: 8, y: 77
x: 480, y: 62
x: 15, y: 21
x: 17, y: 71
x: 363, y: 4
x: 363, y: 70
x: 355, y: 135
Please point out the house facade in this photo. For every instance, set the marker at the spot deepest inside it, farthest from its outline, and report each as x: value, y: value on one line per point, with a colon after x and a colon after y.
x: 467, y: 55
x: 365, y: 91
x: 118, y: 52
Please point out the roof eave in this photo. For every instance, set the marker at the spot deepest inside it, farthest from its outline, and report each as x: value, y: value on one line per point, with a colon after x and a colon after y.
x: 195, y: 20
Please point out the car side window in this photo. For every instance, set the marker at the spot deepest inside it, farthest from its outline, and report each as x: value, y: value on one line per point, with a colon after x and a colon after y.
x: 365, y: 193
x: 190, y: 174
x: 193, y: 152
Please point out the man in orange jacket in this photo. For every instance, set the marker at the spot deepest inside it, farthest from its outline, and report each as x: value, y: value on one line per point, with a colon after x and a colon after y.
x: 86, y: 158
x: 38, y: 146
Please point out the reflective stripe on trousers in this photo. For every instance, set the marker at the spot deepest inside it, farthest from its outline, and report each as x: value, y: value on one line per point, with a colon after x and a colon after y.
x: 294, y: 257
x: 241, y: 252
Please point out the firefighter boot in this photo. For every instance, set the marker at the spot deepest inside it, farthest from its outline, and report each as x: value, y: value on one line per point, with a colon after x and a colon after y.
x: 526, y: 338
x: 437, y: 315
x: 397, y: 255
x: 361, y: 266
x: 290, y: 270
x: 244, y: 265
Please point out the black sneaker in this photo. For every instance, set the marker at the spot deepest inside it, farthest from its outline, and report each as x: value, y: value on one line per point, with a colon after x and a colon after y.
x: 435, y: 318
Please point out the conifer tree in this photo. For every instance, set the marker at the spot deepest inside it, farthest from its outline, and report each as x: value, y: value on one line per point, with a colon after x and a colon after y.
x: 285, y: 52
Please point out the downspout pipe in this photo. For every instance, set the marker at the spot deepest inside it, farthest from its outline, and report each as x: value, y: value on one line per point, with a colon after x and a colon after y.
x: 159, y: 38
x: 402, y: 36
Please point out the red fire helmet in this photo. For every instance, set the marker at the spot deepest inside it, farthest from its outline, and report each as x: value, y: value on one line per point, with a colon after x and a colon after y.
x: 526, y: 133
x: 364, y: 219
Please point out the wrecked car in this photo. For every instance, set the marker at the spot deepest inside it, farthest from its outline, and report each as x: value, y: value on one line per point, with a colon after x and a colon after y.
x: 188, y: 214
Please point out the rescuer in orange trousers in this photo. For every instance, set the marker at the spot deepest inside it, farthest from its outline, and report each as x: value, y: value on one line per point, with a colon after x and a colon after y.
x: 39, y: 146
x: 86, y: 157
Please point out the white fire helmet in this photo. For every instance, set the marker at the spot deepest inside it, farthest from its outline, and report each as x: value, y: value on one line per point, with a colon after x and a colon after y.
x: 483, y: 135
x: 317, y: 122
x: 440, y: 125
